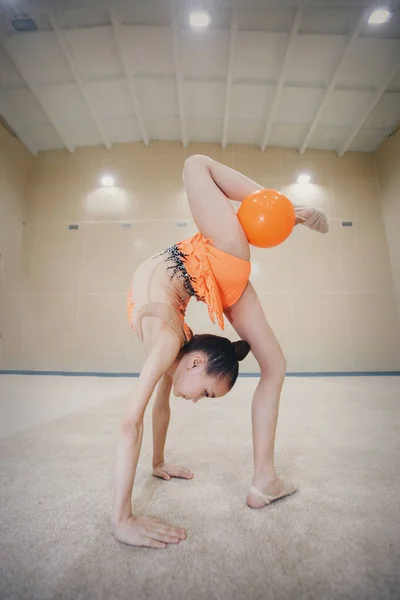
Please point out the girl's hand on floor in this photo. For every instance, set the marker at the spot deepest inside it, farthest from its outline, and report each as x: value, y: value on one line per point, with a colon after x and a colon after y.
x: 147, y: 531
x: 166, y: 471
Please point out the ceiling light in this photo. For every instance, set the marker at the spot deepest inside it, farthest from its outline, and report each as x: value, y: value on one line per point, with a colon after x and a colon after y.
x: 379, y: 16
x: 304, y: 178
x: 107, y: 181
x: 199, y: 19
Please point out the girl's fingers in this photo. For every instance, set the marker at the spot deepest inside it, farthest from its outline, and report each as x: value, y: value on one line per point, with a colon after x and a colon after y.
x: 163, y: 537
x: 151, y: 543
x: 179, y: 472
x: 166, y: 530
x: 183, y: 475
x: 185, y: 472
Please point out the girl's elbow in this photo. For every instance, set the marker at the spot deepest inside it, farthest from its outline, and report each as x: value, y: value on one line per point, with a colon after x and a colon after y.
x: 131, y: 426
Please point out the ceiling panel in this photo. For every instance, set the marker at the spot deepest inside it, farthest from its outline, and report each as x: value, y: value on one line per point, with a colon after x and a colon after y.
x: 368, y: 140
x: 288, y: 135
x: 205, y: 130
x: 81, y: 133
x: 251, y: 101
x: 45, y: 136
x: 64, y: 103
x: 395, y: 84
x: 8, y: 74
x: 205, y: 54
x: 82, y: 17
x: 204, y: 99
x: 22, y: 103
x: 95, y: 51
x: 386, y: 113
x: 40, y: 55
x: 122, y: 129
x: 164, y: 128
x: 275, y: 20
x: 157, y: 97
x: 326, y: 137
x: 344, y: 108
x: 246, y: 132
x: 110, y: 98
x: 298, y: 105
x: 259, y: 55
x: 19, y: 128
x: 331, y: 21
x: 369, y: 63
x: 314, y: 59
x: 152, y: 12
x: 148, y: 50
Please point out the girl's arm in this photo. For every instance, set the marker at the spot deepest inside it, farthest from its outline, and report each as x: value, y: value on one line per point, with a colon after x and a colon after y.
x: 158, y: 361
x: 161, y: 416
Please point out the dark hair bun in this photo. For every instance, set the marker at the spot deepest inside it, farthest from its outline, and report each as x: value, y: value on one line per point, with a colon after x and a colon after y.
x: 242, y: 349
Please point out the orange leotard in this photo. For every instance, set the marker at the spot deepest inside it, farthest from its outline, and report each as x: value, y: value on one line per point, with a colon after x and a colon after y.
x: 163, y: 285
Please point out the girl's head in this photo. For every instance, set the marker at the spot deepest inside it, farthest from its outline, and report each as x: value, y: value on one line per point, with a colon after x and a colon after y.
x: 208, y: 366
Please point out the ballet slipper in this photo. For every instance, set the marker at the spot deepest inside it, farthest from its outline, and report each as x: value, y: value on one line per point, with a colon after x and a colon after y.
x: 288, y: 489
x: 317, y: 220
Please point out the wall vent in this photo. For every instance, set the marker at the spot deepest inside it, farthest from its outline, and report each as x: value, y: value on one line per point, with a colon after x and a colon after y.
x: 24, y: 24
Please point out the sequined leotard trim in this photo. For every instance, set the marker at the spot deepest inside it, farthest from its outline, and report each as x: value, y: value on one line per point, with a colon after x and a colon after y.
x: 178, y: 257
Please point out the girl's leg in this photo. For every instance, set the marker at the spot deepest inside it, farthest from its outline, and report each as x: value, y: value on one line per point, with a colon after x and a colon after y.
x: 248, y: 319
x: 209, y: 187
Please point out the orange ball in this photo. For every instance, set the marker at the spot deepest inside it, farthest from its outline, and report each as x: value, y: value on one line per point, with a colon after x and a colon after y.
x: 267, y: 218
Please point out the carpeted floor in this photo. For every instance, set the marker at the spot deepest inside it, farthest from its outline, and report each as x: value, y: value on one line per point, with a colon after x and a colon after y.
x: 338, y: 537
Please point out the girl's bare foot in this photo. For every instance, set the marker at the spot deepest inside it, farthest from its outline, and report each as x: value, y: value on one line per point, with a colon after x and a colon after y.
x: 258, y: 498
x: 313, y: 218
x: 302, y: 214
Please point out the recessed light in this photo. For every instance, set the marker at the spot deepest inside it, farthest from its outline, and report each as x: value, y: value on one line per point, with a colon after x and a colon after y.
x: 304, y: 178
x: 107, y: 181
x: 379, y: 16
x: 199, y: 19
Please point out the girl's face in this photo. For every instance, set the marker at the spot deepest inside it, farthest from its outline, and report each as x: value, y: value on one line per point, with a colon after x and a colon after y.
x: 191, y: 382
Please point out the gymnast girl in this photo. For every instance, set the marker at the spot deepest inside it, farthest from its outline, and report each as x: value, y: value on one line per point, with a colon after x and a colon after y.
x: 214, y: 267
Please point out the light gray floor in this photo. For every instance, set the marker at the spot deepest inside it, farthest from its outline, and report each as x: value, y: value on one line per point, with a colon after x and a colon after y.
x: 337, y: 537
x: 31, y: 400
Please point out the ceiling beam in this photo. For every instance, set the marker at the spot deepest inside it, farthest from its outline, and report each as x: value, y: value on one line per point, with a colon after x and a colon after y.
x: 34, y: 89
x: 78, y: 79
x: 116, y: 26
x: 375, y: 99
x: 279, y: 86
x: 201, y: 79
x: 178, y: 68
x: 348, y: 47
x: 232, y: 41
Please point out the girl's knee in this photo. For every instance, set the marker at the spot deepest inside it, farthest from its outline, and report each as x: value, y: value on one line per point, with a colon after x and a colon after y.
x: 195, y: 160
x: 274, y: 368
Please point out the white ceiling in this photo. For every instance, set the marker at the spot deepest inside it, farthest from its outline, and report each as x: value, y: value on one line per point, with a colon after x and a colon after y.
x: 288, y: 73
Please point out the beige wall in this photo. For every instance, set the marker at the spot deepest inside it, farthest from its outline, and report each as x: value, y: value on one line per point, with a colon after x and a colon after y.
x: 330, y: 298
x: 388, y: 167
x: 16, y: 164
